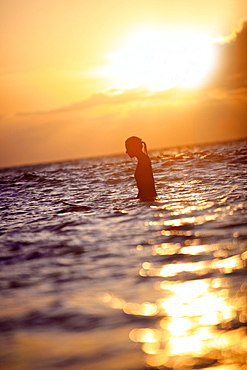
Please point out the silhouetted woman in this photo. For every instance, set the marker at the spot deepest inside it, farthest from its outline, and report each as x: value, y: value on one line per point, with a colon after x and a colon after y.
x: 143, y: 174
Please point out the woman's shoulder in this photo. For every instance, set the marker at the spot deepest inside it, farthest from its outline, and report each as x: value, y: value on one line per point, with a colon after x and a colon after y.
x: 144, y: 164
x: 144, y: 158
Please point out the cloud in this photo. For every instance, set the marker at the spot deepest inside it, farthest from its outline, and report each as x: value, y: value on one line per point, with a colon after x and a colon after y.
x: 232, y: 56
x: 117, y: 102
x: 168, y: 118
x: 110, y: 97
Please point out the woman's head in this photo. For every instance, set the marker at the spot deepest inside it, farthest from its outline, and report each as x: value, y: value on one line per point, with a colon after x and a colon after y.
x: 134, y: 146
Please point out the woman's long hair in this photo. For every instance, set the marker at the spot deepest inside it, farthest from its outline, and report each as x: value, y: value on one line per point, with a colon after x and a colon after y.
x: 145, y: 147
x: 137, y: 142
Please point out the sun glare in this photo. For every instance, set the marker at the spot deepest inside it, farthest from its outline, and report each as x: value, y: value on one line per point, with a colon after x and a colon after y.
x: 159, y: 60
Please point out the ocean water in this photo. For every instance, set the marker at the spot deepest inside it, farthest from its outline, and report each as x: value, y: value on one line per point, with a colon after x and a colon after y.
x: 91, y: 278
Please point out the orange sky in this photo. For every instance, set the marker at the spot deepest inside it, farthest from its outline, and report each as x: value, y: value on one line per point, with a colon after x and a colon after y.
x: 61, y: 98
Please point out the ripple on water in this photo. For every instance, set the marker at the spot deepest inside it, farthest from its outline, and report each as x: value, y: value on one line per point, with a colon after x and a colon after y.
x: 92, y: 278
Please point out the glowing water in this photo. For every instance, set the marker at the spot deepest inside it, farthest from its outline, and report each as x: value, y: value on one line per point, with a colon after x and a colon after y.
x: 113, y: 283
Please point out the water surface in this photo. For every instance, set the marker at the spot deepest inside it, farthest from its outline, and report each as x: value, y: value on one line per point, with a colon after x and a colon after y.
x: 92, y: 278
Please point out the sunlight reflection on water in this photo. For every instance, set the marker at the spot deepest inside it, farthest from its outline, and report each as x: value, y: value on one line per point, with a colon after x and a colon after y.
x: 195, y: 320
x: 200, y: 322
x: 197, y: 317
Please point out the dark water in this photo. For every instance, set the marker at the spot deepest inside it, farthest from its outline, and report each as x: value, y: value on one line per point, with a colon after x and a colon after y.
x: 104, y: 281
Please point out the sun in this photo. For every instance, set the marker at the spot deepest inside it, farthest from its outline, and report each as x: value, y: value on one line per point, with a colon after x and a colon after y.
x: 159, y: 60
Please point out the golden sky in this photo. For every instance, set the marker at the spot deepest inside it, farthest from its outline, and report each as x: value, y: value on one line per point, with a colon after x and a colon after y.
x: 78, y: 77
